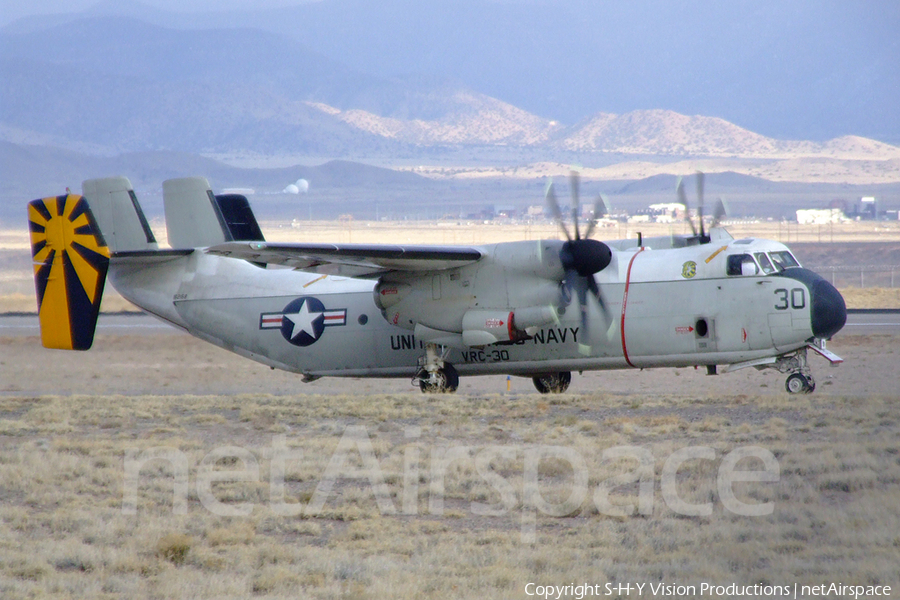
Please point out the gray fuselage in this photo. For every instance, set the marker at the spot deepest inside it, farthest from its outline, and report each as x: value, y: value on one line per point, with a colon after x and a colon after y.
x: 670, y: 307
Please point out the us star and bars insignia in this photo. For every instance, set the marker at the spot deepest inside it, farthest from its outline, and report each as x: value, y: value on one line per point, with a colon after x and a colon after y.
x: 303, y: 320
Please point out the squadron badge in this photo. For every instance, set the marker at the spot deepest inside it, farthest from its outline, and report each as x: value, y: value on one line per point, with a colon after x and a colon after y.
x: 689, y: 269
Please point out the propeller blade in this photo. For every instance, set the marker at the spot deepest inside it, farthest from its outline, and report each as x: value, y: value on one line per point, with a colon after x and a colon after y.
x: 565, y: 294
x: 700, y: 203
x: 599, y: 212
x: 679, y: 189
x: 576, y: 202
x: 585, y: 289
x: 700, y: 185
x: 581, y: 289
x: 553, y: 205
x: 719, y: 213
x: 595, y: 290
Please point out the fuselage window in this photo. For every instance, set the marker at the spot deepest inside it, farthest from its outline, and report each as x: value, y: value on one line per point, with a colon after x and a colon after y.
x: 764, y: 263
x: 741, y: 264
x: 783, y: 260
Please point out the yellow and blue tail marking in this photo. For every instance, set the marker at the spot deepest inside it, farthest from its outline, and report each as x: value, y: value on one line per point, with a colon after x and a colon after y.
x: 70, y: 262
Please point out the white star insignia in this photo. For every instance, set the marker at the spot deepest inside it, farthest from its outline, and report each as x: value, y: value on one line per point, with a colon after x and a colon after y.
x: 304, y: 320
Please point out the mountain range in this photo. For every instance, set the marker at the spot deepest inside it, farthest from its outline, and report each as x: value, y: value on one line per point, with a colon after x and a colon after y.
x: 110, y: 84
x: 805, y: 69
x: 89, y: 95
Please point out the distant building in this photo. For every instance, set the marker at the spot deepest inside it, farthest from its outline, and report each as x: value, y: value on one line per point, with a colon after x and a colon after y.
x: 666, y: 212
x: 866, y: 210
x: 868, y: 207
x: 506, y: 211
x: 672, y: 210
x: 820, y: 216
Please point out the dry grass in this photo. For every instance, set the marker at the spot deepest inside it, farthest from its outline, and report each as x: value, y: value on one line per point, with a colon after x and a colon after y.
x: 65, y: 534
x: 871, y: 297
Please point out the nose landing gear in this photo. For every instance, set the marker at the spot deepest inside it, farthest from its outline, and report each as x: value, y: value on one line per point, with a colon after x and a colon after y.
x: 800, y: 380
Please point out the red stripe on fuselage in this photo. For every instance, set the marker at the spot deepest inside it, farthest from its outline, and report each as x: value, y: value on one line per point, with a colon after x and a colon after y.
x: 625, y: 304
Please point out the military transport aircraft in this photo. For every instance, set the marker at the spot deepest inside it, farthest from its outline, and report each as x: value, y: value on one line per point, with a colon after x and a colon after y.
x: 539, y: 309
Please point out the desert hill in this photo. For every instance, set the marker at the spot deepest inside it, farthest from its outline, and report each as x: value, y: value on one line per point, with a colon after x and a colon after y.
x: 114, y: 84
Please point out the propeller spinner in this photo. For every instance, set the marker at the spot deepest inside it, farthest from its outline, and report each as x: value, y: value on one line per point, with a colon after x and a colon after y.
x: 581, y: 257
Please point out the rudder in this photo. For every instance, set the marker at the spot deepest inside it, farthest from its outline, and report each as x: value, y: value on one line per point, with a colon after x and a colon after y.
x: 70, y: 258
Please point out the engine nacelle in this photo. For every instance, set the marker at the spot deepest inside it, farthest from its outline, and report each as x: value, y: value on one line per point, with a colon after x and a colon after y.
x: 535, y: 316
x: 529, y: 271
x: 390, y: 293
x: 486, y: 327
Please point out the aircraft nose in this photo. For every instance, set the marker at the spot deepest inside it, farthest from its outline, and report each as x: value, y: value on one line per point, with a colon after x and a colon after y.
x: 829, y: 312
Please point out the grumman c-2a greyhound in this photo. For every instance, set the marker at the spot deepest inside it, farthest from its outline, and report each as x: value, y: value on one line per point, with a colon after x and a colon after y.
x: 539, y: 309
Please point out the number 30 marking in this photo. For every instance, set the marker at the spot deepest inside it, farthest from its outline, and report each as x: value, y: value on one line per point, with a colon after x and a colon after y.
x: 797, y: 298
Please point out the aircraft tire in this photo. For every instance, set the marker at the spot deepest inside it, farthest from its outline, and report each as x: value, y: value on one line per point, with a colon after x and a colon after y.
x: 797, y: 383
x: 448, y: 381
x: 554, y: 383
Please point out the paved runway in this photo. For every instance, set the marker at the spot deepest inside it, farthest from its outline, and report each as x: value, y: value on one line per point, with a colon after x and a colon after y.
x: 858, y: 323
x: 870, y: 323
x: 25, y: 325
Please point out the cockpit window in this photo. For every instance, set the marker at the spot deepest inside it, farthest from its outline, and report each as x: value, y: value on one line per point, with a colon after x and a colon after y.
x: 764, y: 263
x: 741, y: 264
x: 783, y: 260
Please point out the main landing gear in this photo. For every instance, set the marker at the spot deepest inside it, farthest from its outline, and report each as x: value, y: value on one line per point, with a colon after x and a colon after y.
x: 435, y: 375
x: 553, y: 383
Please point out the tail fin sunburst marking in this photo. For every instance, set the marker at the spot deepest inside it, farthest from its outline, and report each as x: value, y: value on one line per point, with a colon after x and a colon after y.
x: 70, y: 263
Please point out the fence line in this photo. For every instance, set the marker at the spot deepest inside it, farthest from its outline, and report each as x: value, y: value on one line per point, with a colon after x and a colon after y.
x: 859, y: 275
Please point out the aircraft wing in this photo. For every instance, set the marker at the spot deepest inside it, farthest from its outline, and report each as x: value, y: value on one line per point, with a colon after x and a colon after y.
x: 350, y: 260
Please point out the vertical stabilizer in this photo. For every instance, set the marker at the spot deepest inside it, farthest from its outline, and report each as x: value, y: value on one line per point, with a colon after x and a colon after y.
x: 70, y: 260
x: 196, y: 218
x: 119, y: 214
x: 193, y: 216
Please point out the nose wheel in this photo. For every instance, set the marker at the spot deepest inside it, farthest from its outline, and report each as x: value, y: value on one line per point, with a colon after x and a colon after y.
x: 800, y: 379
x: 798, y: 383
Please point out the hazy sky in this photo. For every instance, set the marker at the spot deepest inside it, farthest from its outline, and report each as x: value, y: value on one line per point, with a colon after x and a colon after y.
x: 10, y: 10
